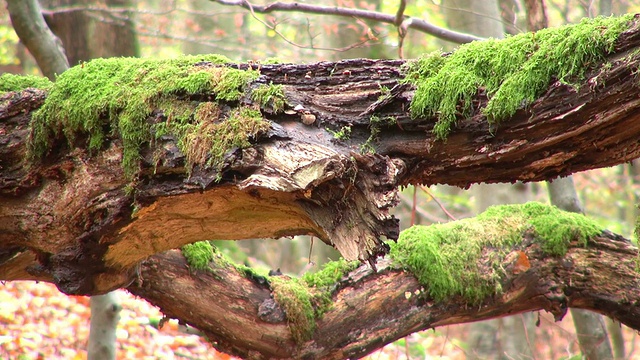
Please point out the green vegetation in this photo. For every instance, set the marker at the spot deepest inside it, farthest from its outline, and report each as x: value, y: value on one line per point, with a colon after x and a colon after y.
x: 343, y: 134
x: 114, y: 97
x: 11, y: 82
x: 295, y: 300
x: 270, y: 96
x: 376, y: 124
x: 304, y: 300
x: 445, y: 258
x: 513, y: 72
x: 330, y: 273
x: 198, y: 255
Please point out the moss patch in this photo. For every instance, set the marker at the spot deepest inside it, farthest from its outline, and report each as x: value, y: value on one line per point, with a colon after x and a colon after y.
x: 270, y: 96
x: 330, y: 274
x: 11, y: 82
x: 445, y: 257
x: 108, y: 98
x: 198, y: 255
x: 295, y: 299
x: 304, y: 300
x: 513, y: 72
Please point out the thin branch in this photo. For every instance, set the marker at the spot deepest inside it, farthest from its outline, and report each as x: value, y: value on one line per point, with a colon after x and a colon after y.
x: 417, y: 24
x: 401, y: 25
x: 291, y: 42
x: 442, y: 207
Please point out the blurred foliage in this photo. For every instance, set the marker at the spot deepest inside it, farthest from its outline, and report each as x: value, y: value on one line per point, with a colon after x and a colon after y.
x: 8, y: 41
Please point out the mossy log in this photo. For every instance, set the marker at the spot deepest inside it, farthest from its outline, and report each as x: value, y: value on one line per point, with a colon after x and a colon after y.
x: 118, y: 169
x: 371, y: 309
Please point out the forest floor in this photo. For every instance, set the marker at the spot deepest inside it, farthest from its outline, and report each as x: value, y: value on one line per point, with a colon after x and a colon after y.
x: 39, y: 322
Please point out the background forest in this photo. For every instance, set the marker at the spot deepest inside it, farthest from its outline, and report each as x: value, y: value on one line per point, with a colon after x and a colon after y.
x: 39, y: 322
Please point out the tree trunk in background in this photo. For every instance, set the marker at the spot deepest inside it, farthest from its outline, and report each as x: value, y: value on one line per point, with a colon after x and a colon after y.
x: 72, y: 28
x: 105, y: 313
x: 114, y: 34
x: 30, y: 26
x: 605, y: 8
x: 592, y: 335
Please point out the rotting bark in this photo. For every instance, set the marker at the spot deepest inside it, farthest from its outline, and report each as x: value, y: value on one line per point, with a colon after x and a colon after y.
x: 372, y: 309
x: 90, y: 225
x: 75, y: 219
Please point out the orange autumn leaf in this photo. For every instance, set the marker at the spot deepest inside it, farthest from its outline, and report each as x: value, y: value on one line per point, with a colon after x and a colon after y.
x: 522, y: 263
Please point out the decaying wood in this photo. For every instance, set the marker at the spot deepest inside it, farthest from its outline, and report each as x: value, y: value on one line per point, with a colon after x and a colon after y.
x: 299, y: 179
x: 372, y: 309
x: 76, y: 220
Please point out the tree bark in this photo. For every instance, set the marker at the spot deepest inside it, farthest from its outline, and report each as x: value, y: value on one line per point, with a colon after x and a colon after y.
x: 370, y: 309
x: 76, y: 220
x: 297, y: 179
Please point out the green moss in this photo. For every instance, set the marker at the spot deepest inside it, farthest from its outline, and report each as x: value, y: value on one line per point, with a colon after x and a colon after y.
x: 272, y: 61
x: 108, y: 98
x: 203, y: 138
x: 270, y: 96
x: 295, y: 299
x: 343, y: 134
x: 513, y: 72
x: 11, y: 82
x: 198, y: 255
x: 376, y: 125
x: 330, y: 274
x: 304, y: 300
x: 446, y: 257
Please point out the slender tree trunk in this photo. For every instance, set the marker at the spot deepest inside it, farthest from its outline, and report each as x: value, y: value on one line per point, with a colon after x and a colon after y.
x: 592, y: 334
x: 105, y: 313
x: 72, y: 28
x: 30, y: 26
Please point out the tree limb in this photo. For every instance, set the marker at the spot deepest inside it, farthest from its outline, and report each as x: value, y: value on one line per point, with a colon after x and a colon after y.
x: 415, y: 23
x: 389, y: 304
x: 29, y: 24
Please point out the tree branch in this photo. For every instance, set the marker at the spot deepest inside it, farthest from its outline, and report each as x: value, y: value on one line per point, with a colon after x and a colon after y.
x: 29, y: 24
x: 415, y: 23
x: 226, y: 304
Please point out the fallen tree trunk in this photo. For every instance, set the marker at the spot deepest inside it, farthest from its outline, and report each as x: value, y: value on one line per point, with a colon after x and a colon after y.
x: 89, y: 218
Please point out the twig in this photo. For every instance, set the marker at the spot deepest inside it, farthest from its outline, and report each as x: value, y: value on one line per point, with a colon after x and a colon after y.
x: 417, y: 24
x: 426, y: 190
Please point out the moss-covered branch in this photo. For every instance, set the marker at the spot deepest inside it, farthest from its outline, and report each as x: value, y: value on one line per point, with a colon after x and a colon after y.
x: 516, y: 259
x: 130, y: 157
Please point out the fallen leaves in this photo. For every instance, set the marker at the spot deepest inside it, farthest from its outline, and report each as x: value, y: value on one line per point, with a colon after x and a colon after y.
x: 39, y: 322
